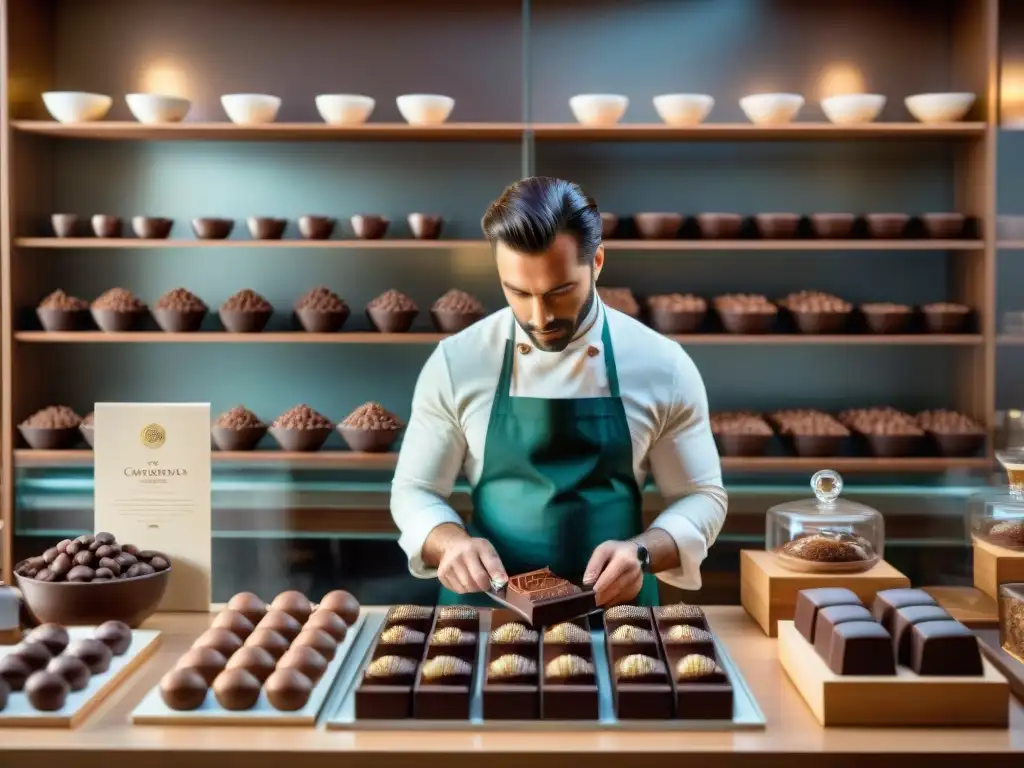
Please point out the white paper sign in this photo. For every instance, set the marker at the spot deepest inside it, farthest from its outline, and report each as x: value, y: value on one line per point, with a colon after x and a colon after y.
x: 152, y: 489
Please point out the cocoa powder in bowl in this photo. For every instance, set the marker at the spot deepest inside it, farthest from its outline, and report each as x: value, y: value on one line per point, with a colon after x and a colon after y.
x: 889, y: 432
x: 676, y: 312
x: 53, y: 417
x: 119, y: 300
x: 811, y: 432
x: 370, y: 428
x: 392, y: 312
x: 239, y: 417
x: 238, y: 429
x: 245, y: 312
x: 621, y: 299
x: 179, y: 311
x: 301, y: 429
x: 62, y: 312
x: 321, y: 310
x: 117, y: 310
x: 181, y: 300
x: 64, y: 302
x: 456, y: 311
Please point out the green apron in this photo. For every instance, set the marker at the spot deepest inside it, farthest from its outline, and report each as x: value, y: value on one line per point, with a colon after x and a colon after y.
x: 557, y: 480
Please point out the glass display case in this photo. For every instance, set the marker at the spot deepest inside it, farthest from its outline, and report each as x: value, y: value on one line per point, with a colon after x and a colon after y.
x: 997, y: 517
x: 826, y: 534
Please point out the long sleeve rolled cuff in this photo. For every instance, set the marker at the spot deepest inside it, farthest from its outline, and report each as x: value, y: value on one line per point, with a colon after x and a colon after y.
x: 430, y: 512
x: 692, y: 546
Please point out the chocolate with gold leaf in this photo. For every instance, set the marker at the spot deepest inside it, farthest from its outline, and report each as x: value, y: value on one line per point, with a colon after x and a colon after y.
x: 569, y: 668
x: 628, y: 613
x: 696, y: 668
x: 512, y: 668
x: 399, y: 634
x: 446, y: 669
x: 452, y: 636
x: 465, y: 617
x: 681, y: 613
x: 627, y: 634
x: 640, y: 668
x: 566, y: 632
x: 391, y: 670
x: 416, y: 617
x: 513, y: 632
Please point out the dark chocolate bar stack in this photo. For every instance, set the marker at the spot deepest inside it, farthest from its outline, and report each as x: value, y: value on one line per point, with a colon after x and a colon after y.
x: 905, y: 627
x: 701, y: 688
x: 512, y: 686
x: 568, y: 688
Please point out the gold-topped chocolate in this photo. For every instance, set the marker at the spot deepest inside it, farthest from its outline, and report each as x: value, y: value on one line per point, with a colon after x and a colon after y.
x: 390, y: 666
x: 399, y: 633
x: 567, y: 666
x: 451, y: 636
x: 627, y: 633
x: 566, y: 632
x: 624, y: 612
x: 511, y: 666
x: 696, y: 668
x: 638, y: 665
x: 513, y: 632
x: 457, y: 613
x: 684, y: 633
x: 680, y: 611
x: 401, y: 613
x: 440, y: 667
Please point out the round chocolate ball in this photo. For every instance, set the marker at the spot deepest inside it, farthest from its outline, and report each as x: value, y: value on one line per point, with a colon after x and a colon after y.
x: 81, y: 574
x: 288, y: 690
x: 249, y: 605
x: 269, y: 640
x: 235, y: 622
x: 342, y: 603
x: 85, y: 540
x: 318, y: 640
x: 5, y: 692
x: 159, y: 563
x: 62, y: 546
x: 108, y: 564
x: 61, y: 565
x: 116, y: 635
x: 236, y: 689
x: 294, y: 603
x: 282, y: 623
x: 50, y: 555
x: 105, y: 538
x: 95, y: 654
x: 46, y: 691
x: 256, y: 660
x: 219, y: 639
x: 138, y: 569
x: 74, y: 671
x: 208, y: 662
x: 183, y: 689
x: 14, y: 672
x: 306, y: 660
x: 35, y: 655
x: 53, y: 636
x: 329, y: 622
x: 85, y: 557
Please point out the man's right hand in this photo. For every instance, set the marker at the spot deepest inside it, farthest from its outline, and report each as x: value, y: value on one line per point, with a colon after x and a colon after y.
x: 469, y: 565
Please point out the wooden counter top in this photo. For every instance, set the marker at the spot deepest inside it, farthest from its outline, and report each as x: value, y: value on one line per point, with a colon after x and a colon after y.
x: 792, y: 737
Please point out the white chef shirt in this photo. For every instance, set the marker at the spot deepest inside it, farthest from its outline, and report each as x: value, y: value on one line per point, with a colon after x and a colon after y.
x: 666, y: 407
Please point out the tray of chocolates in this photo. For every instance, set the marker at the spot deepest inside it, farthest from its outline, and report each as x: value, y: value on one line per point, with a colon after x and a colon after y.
x: 902, y: 662
x: 627, y: 669
x: 57, y: 676
x: 260, y: 663
x: 544, y: 599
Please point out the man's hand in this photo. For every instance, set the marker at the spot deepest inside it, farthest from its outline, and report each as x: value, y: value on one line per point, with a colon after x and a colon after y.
x: 469, y: 565
x: 614, y: 570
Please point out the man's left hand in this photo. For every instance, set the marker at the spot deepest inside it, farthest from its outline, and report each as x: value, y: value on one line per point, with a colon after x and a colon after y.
x: 614, y: 570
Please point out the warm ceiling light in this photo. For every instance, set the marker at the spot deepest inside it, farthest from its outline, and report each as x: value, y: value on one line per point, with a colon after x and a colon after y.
x: 164, y: 78
x: 840, y: 78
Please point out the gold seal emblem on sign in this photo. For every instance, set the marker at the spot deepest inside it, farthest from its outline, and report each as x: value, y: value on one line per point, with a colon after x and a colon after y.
x: 153, y: 436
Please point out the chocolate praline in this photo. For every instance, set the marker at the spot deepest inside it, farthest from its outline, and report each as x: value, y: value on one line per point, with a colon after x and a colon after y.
x: 116, y: 635
x: 14, y: 671
x: 183, y: 689
x: 220, y: 640
x: 53, y: 636
x: 329, y: 622
x: 46, y: 691
x: 288, y: 689
x: 74, y: 671
x: 294, y: 603
x: 235, y: 622
x: 35, y: 655
x: 208, y: 662
x: 306, y: 660
x: 342, y: 603
x: 269, y: 640
x: 95, y: 654
x: 249, y: 605
x: 236, y: 689
x: 319, y: 641
x: 283, y: 623
x: 256, y: 660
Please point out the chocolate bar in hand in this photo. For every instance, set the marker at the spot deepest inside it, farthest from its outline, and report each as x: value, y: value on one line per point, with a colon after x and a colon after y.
x: 544, y: 599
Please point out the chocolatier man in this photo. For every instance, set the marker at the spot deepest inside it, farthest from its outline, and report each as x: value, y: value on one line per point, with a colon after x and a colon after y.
x: 557, y: 409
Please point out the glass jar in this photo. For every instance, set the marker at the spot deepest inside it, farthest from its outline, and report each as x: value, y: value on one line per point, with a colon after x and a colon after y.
x: 826, y: 534
x: 998, y: 517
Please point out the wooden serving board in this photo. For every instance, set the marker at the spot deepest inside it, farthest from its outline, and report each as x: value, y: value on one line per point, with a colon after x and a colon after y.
x: 903, y: 700
x: 152, y: 710
x: 80, y: 704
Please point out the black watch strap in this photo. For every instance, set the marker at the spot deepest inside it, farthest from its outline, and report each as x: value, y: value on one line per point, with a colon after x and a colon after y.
x: 643, y: 554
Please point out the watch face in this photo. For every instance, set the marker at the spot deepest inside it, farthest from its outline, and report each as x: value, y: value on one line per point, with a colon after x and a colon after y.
x: 643, y: 555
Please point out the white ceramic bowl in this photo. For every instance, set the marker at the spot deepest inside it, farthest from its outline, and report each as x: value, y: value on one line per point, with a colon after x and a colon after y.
x: 598, y: 108
x: 683, y: 108
x: 76, y: 106
x: 940, y: 107
x: 154, y: 108
x: 344, y: 108
x: 853, y: 108
x: 250, y: 108
x: 771, y: 108
x: 425, y: 108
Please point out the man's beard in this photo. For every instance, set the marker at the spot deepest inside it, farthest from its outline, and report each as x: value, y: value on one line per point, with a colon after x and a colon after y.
x: 569, y: 327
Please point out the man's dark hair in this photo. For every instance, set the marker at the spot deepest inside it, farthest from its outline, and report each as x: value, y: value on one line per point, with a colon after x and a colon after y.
x: 532, y: 212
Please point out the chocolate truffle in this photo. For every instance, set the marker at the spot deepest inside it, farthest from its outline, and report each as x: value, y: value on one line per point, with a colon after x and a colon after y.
x: 14, y: 672
x: 5, y: 693
x: 318, y: 640
x: 513, y: 632
x: 220, y: 639
x: 282, y: 623
x: 400, y: 613
x: 329, y: 622
x: 888, y: 601
x: 699, y: 669
x: 628, y: 634
x: 236, y: 689
x: 681, y: 613
x: 566, y: 632
x: 269, y: 640
x: 512, y: 668
x: 452, y: 636
x: 95, y: 654
x: 208, y: 662
x: 446, y: 669
x: 629, y: 613
x: 258, y: 661
x: 53, y: 636
x: 288, y: 689
x: 393, y: 670
x: 640, y: 668
x: 294, y: 603
x: 46, y: 691
x: 35, y: 655
x: 684, y: 633
x: 183, y: 689
x: 569, y: 667
x: 74, y: 671
x: 399, y: 634
x: 116, y: 635
x: 342, y: 603
x: 249, y: 605
x: 305, y: 660
x: 234, y: 622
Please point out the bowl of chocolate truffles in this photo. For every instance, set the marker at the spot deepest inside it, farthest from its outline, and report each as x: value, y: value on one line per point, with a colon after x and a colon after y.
x: 61, y: 312
x: 86, y: 428
x: 54, y: 428
x: 392, y: 312
x: 238, y: 429
x: 810, y: 432
x: 745, y: 313
x: 621, y: 299
x: 886, y: 226
x: 740, y: 433
x: 370, y: 428
x: 676, y: 312
x: 93, y: 579
x: 658, y: 226
x: 425, y: 226
x: 885, y: 317
x: 301, y: 429
x: 245, y: 312
x: 888, y: 432
x: 817, y: 312
x: 777, y: 226
x: 456, y: 311
x: 321, y: 310
x: 946, y: 317
x: 179, y: 311
x: 118, y: 310
x: 719, y: 226
x: 953, y: 433
x: 832, y: 226
x: 943, y: 226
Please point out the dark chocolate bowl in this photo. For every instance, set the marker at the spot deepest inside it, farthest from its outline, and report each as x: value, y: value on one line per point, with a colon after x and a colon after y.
x: 816, y: 445
x: 244, y: 439
x: 777, y: 226
x: 179, y: 320
x: 747, y: 322
x: 957, y: 443
x: 820, y: 322
x: 368, y: 440
x: 392, y: 320
x: 302, y: 440
x: 75, y: 604
x: 49, y: 438
x: 242, y: 321
x: 894, y: 446
x: 945, y: 321
x: 832, y: 226
x: 117, y: 321
x: 742, y: 445
x: 56, y: 320
x: 658, y: 226
x: 886, y: 226
x: 882, y: 321
x: 720, y: 226
x: 320, y: 320
x: 673, y: 321
x: 453, y: 322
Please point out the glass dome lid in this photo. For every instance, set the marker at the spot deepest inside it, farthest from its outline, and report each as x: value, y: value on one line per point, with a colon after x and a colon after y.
x: 998, y: 517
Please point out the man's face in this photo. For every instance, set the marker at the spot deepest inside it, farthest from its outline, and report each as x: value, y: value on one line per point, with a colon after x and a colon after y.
x: 550, y: 293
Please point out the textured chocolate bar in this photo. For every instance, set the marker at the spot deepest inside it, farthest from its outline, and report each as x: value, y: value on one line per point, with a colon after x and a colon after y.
x: 544, y: 599
x: 888, y: 601
x: 399, y: 634
x: 681, y: 613
x: 465, y: 617
x: 946, y: 648
x: 810, y: 601
x: 394, y: 670
x: 446, y: 669
x: 540, y: 585
x: 627, y: 613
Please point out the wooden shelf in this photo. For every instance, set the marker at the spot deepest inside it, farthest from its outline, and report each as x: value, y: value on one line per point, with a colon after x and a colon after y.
x: 27, y: 458
x: 1010, y: 340
x: 1010, y: 245
x: 371, y: 337
x: 225, y: 131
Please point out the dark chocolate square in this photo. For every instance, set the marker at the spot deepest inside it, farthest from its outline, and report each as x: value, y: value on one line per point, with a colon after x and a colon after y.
x: 704, y: 701
x: 568, y: 702
x: 861, y: 648
x: 544, y: 599
x: 828, y: 618
x: 904, y: 619
x: 511, y: 702
x: 810, y: 601
x: 946, y: 648
x: 634, y: 701
x: 383, y: 702
x: 441, y: 702
x: 888, y: 601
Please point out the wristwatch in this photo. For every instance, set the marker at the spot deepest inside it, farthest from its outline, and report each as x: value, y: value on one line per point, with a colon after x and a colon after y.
x: 643, y: 554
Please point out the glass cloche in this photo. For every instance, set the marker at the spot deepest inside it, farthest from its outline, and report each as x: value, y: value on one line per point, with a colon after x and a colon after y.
x: 826, y: 534
x: 998, y: 517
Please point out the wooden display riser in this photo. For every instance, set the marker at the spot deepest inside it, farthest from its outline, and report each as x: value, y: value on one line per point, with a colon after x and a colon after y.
x: 1010, y: 666
x: 994, y: 566
x: 903, y: 700
x: 768, y: 590
x: 968, y: 605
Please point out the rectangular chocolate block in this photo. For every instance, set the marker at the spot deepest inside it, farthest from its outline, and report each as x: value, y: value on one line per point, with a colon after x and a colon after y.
x: 512, y: 691
x: 704, y: 701
x: 542, y: 599
x: 639, y: 694
x: 1011, y: 619
x: 383, y: 702
x: 464, y: 617
x: 861, y: 648
x: 511, y: 702
x: 442, y: 689
x: 643, y: 701
x: 418, y: 617
x: 567, y: 694
x: 904, y: 619
x: 680, y: 614
x: 810, y: 601
x: 828, y: 618
x: 946, y: 648
x: 888, y: 601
